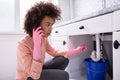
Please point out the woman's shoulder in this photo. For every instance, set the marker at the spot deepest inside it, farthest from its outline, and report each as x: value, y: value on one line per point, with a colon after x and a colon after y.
x: 25, y: 44
x: 26, y: 40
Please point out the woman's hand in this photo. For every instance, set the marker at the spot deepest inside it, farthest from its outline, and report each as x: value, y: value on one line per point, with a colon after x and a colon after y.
x: 81, y: 48
x: 77, y: 50
x: 37, y: 39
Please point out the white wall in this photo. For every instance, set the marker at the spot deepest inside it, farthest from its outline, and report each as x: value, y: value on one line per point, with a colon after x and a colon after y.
x: 8, y: 43
x: 7, y: 13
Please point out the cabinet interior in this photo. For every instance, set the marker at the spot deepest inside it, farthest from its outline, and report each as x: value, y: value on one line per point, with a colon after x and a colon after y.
x: 76, y: 67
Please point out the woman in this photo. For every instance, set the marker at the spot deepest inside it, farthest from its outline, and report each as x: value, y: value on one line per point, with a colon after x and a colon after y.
x: 31, y: 49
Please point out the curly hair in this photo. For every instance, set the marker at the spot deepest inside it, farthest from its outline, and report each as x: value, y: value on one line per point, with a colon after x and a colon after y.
x: 36, y: 14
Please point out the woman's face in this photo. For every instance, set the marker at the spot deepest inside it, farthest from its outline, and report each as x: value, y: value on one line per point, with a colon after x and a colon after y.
x: 46, y: 25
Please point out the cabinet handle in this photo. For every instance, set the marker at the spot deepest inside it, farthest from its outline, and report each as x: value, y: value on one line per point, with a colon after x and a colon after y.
x: 81, y: 27
x: 116, y: 44
x: 64, y: 42
x: 56, y: 32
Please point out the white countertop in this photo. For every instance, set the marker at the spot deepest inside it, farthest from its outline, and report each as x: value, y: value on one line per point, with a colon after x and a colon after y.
x: 95, y: 14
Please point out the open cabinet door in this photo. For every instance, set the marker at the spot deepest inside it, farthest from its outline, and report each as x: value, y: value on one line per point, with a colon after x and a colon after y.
x: 116, y: 55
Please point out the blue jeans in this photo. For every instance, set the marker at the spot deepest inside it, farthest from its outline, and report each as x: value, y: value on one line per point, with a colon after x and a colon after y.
x: 54, y: 69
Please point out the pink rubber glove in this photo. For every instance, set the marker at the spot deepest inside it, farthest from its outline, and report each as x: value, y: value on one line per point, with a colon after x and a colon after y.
x: 79, y: 49
x: 37, y: 39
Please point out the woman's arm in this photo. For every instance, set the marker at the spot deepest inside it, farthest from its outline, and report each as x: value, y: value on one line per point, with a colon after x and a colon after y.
x: 50, y: 50
x: 26, y: 63
x: 67, y: 53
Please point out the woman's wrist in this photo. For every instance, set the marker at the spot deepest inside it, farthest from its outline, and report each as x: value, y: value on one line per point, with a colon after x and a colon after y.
x: 37, y: 60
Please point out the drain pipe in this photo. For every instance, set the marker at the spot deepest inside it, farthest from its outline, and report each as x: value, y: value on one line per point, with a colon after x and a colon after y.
x: 96, y: 55
x: 98, y: 44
